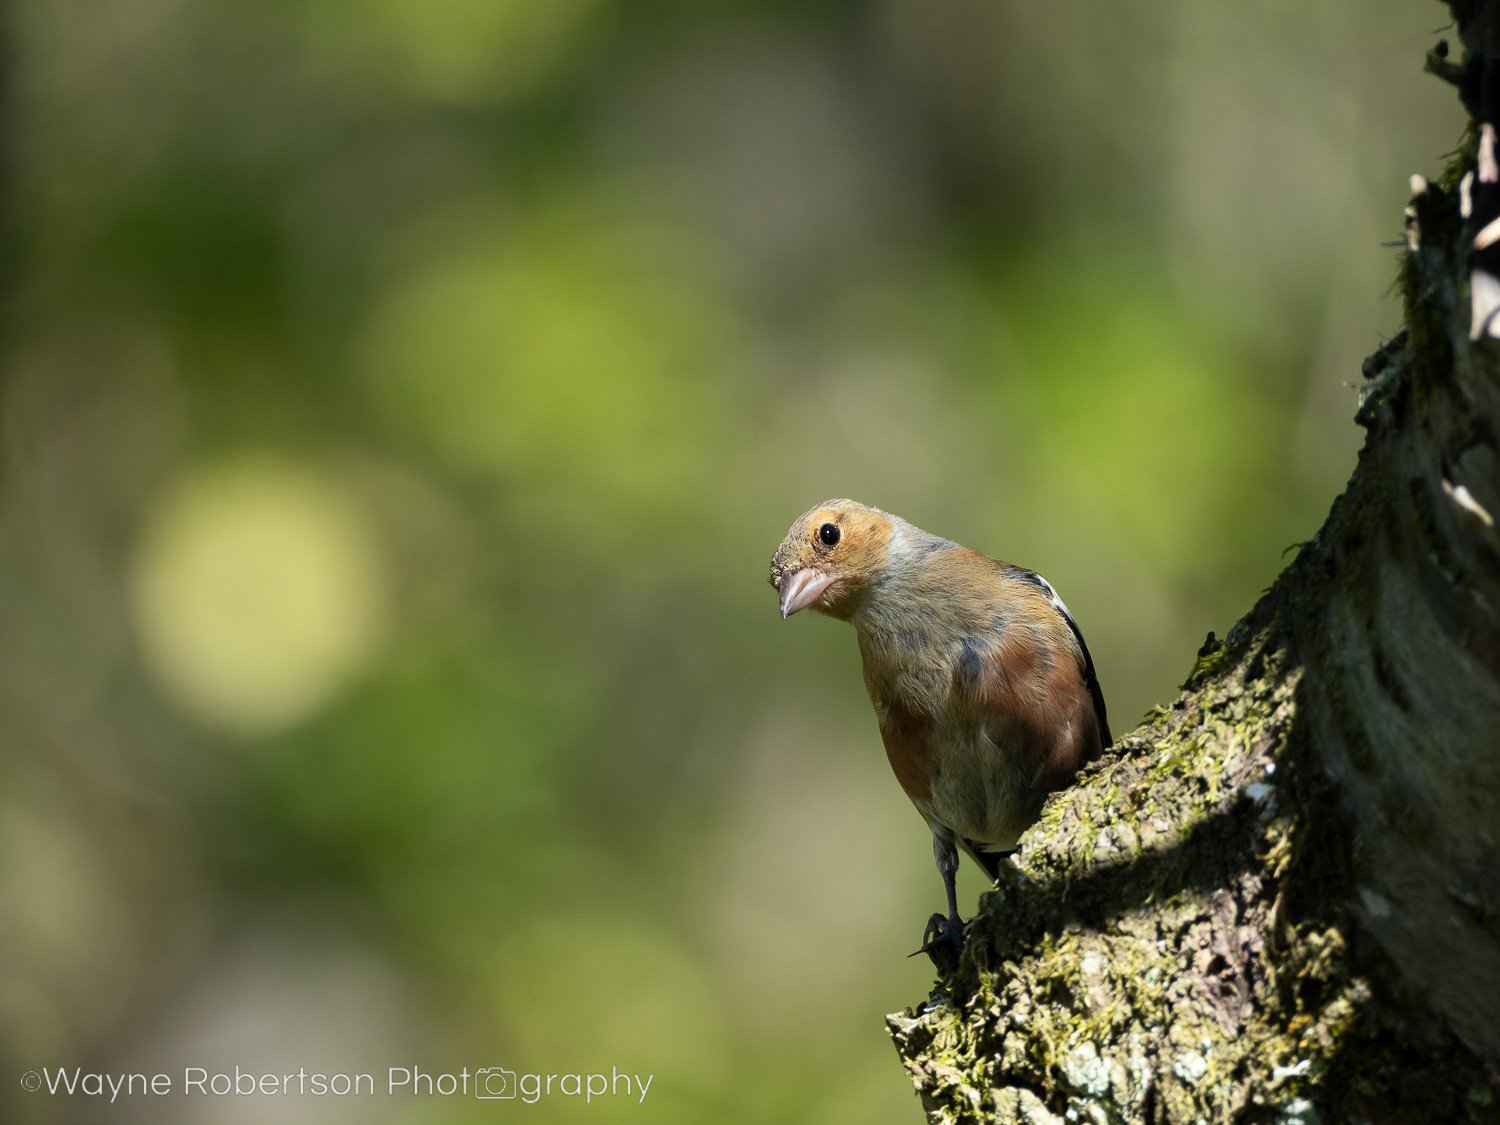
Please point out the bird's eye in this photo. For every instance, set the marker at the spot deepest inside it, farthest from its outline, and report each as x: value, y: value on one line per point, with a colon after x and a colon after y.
x: 828, y: 534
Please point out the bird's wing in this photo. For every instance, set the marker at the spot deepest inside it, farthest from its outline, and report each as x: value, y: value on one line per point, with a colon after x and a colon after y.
x: 1090, y: 678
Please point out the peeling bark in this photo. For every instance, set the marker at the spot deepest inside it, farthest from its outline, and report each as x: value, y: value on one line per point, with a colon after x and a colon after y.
x: 1280, y: 899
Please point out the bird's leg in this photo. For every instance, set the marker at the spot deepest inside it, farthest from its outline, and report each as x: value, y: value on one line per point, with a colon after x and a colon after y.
x: 943, y: 939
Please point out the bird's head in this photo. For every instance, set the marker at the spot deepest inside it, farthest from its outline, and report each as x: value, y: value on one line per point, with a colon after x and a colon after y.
x: 831, y: 557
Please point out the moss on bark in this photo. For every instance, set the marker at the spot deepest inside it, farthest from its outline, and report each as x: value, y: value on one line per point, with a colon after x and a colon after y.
x: 1177, y: 942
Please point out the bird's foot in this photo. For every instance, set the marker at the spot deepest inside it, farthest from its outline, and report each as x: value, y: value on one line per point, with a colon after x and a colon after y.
x: 943, y: 941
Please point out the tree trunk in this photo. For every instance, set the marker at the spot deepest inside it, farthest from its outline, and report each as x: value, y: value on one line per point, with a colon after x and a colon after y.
x: 1280, y: 899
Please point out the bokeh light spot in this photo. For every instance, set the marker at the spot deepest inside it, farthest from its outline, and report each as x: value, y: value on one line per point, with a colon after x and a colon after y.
x: 258, y: 594
x: 462, y: 51
x: 570, y: 362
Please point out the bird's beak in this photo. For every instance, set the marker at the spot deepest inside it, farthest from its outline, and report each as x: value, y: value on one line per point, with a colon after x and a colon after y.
x: 801, y: 588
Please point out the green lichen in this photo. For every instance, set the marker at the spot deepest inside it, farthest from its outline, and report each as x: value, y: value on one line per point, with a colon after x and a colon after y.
x: 1118, y: 974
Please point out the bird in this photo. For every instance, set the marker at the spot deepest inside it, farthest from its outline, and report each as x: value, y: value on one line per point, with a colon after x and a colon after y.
x: 983, y: 688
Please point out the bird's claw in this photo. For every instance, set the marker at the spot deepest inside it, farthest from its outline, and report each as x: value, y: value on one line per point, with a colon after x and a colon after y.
x: 943, y: 941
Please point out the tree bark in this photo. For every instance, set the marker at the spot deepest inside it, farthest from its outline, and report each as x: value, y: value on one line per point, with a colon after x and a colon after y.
x: 1280, y: 898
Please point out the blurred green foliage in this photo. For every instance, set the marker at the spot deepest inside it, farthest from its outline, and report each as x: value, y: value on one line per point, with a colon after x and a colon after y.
x: 401, y: 402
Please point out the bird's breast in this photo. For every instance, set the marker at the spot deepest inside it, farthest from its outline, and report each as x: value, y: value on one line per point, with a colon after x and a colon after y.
x: 964, y: 762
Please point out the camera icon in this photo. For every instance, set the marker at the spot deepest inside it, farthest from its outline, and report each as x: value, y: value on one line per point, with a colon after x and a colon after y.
x: 494, y: 1082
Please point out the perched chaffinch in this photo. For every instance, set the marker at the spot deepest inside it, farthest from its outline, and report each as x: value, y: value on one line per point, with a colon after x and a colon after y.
x: 983, y: 687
